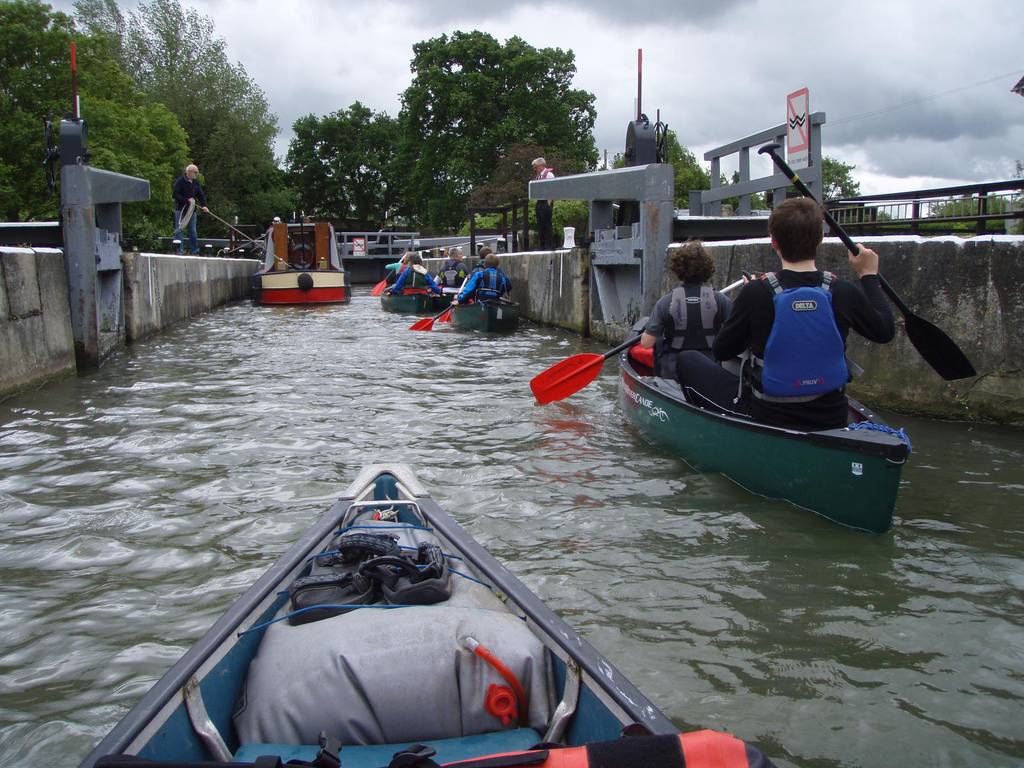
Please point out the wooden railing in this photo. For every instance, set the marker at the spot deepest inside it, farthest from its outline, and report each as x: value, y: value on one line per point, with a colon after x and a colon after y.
x: 519, y: 229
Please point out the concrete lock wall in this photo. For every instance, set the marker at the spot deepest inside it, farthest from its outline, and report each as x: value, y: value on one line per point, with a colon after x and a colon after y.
x: 36, y: 342
x: 161, y: 290
x: 36, y: 338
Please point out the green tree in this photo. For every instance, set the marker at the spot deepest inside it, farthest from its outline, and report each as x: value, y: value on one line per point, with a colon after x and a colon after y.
x: 837, y: 179
x: 174, y: 56
x: 35, y: 83
x: 342, y: 164
x: 688, y: 172
x: 128, y: 133
x: 471, y: 100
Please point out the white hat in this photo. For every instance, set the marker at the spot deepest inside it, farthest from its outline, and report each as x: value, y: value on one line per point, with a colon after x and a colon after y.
x: 277, y: 218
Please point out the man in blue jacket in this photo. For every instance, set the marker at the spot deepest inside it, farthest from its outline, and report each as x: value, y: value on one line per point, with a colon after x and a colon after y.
x: 415, y: 276
x: 487, y: 283
x: 188, y: 195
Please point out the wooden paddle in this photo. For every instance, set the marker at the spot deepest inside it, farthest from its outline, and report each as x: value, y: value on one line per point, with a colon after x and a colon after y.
x: 934, y: 346
x: 574, y: 373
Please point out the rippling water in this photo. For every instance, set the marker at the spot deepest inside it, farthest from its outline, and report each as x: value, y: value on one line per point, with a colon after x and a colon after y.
x: 136, y: 503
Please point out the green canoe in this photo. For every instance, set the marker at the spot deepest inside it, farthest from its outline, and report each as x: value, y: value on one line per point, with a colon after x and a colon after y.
x: 850, y: 476
x: 414, y: 303
x: 489, y: 316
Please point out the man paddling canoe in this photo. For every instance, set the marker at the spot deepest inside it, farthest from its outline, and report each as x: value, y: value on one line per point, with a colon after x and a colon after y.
x: 791, y: 326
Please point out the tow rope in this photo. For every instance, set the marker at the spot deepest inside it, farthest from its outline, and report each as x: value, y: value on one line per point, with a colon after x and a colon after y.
x: 870, y: 425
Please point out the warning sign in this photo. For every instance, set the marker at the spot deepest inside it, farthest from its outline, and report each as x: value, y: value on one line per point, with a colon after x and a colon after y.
x: 798, y: 128
x: 358, y: 246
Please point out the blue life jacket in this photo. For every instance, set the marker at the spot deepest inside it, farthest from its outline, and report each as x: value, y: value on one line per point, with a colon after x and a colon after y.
x: 805, y: 355
x: 491, y: 284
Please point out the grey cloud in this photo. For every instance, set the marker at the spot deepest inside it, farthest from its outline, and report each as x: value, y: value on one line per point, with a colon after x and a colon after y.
x: 464, y: 13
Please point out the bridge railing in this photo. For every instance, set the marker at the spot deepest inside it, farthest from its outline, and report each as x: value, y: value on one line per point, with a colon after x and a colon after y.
x: 991, y: 207
x: 378, y: 244
x: 708, y: 202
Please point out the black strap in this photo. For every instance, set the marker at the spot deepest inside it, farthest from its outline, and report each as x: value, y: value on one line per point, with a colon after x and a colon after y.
x: 416, y: 756
x: 650, y: 752
x: 328, y: 756
x: 507, y: 761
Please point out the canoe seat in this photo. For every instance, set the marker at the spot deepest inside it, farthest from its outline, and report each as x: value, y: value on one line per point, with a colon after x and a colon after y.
x: 376, y: 755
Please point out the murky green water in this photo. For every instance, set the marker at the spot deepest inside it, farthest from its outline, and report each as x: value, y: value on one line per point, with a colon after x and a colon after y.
x: 138, y: 501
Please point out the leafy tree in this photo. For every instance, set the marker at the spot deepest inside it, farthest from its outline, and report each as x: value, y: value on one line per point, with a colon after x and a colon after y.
x: 471, y: 101
x: 175, y: 57
x: 688, y: 172
x: 837, y: 179
x: 342, y: 164
x: 35, y: 83
x: 127, y: 132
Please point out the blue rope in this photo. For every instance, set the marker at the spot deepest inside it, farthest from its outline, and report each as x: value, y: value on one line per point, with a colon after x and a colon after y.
x: 471, y: 578
x: 872, y: 426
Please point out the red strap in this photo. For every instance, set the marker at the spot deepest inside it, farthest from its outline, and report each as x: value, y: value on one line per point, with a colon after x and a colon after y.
x: 644, y: 356
x: 711, y: 749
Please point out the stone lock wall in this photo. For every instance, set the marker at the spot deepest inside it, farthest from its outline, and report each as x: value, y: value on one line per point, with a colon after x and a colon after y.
x: 36, y: 342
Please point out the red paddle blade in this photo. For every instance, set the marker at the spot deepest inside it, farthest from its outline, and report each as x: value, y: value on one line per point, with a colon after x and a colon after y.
x: 566, y: 378
x: 446, y: 316
x: 378, y: 289
x: 426, y: 324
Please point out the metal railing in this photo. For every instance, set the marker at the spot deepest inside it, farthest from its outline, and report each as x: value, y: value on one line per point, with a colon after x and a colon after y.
x: 708, y: 202
x: 992, y: 207
x: 374, y: 245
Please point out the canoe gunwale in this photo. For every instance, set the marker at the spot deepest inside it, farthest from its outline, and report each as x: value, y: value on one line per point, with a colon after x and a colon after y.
x: 599, y: 674
x: 888, y: 447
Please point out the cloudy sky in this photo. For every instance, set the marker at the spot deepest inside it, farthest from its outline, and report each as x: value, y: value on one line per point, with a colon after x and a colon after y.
x: 916, y: 92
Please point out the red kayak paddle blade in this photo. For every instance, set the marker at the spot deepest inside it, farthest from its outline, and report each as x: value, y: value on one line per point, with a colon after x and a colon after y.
x: 566, y: 378
x: 378, y: 289
x: 426, y: 324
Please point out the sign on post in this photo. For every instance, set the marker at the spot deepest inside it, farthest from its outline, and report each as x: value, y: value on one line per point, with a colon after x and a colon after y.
x: 358, y: 246
x: 798, y: 128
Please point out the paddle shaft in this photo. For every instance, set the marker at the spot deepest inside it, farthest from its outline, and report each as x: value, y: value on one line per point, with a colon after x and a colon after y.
x: 832, y: 223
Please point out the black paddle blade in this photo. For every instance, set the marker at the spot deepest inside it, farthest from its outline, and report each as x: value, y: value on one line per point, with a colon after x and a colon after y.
x: 938, y: 350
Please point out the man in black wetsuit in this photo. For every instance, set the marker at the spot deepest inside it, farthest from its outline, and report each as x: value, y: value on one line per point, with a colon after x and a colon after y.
x: 797, y: 376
